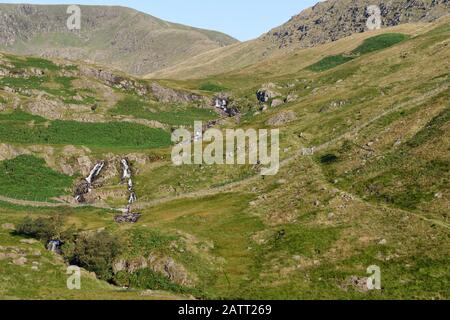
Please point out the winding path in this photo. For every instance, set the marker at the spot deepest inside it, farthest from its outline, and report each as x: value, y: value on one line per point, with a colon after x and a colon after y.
x: 39, y: 204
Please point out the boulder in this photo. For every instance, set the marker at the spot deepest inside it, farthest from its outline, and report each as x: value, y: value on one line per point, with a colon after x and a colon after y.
x: 177, y: 273
x: 276, y: 102
x: 127, y: 218
x: 20, y: 261
x: 291, y: 98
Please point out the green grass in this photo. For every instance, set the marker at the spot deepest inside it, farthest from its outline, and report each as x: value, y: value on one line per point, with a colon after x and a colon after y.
x: 144, y: 242
x: 150, y: 280
x: 432, y: 130
x: 212, y: 87
x: 298, y: 240
x: 112, y: 134
x: 20, y: 116
x: 27, y: 177
x: 172, y: 115
x: 23, y: 83
x: 66, y: 92
x: 369, y: 45
x: 32, y: 62
x: 329, y: 62
x: 379, y: 42
x: 401, y: 178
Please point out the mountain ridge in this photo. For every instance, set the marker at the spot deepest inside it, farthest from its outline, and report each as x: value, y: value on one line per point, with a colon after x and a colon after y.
x: 325, y: 22
x: 146, y: 43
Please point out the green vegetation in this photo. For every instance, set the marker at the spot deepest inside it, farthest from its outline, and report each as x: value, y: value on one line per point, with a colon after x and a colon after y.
x: 143, y: 241
x: 41, y: 228
x: 330, y: 62
x: 433, y: 129
x: 32, y: 62
x: 27, y: 177
x: 94, y: 252
x: 150, y: 280
x: 376, y: 43
x: 20, y: 116
x: 379, y: 42
x: 65, y: 92
x: 23, y: 83
x: 401, y: 178
x: 112, y: 134
x: 175, y: 115
x: 212, y: 87
x: 328, y: 158
x: 374, y: 192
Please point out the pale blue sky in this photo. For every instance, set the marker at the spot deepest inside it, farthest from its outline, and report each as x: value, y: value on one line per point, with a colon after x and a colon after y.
x: 242, y: 19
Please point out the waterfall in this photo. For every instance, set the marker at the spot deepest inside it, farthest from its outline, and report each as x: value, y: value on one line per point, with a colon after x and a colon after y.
x: 126, y: 169
x: 128, y: 216
x: 53, y: 245
x: 126, y: 174
x: 85, y: 186
x: 133, y: 198
x: 95, y: 172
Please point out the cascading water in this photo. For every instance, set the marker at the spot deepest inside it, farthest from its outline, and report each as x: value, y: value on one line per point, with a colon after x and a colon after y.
x: 128, y: 216
x: 95, y: 172
x: 85, y: 186
x: 126, y: 171
x: 54, y: 246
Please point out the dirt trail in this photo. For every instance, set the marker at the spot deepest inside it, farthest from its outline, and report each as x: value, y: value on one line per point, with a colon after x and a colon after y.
x: 38, y: 204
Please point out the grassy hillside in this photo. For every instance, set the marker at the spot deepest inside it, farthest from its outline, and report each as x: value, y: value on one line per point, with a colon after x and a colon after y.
x: 373, y: 192
x: 317, y: 27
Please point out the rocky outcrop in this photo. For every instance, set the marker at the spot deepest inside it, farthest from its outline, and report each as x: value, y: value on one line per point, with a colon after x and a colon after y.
x: 276, y: 103
x: 332, y: 20
x: 333, y: 105
x: 291, y: 98
x: 114, y: 80
x: 164, y: 265
x: 167, y: 95
x: 127, y: 217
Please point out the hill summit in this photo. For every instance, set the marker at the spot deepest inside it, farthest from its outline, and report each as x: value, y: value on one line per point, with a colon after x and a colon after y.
x: 124, y: 38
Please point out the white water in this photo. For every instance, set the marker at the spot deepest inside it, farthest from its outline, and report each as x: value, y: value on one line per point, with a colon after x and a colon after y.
x: 126, y: 174
x: 95, y: 172
x: 126, y: 170
x: 132, y: 198
x: 53, y: 245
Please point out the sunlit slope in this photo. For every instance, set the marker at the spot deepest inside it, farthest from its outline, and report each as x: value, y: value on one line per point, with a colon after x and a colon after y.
x: 261, y: 56
x: 373, y: 191
x: 114, y: 36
